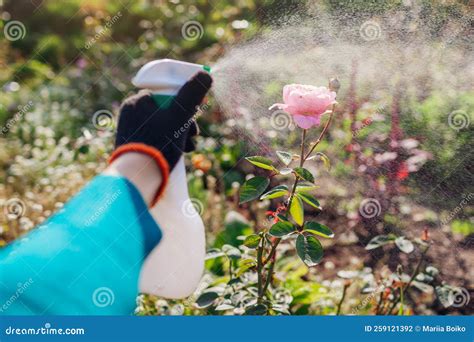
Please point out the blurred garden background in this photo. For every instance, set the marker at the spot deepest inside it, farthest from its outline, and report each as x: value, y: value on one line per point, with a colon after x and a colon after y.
x: 400, y: 148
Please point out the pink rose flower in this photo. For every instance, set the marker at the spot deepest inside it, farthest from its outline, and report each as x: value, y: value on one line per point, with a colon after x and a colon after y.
x: 306, y: 103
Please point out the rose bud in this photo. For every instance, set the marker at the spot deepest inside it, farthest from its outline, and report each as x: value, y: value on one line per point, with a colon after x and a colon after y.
x: 334, y: 84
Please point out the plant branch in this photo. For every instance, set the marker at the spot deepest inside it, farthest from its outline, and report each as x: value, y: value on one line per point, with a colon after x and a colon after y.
x: 414, y: 274
x: 272, y: 251
x: 302, y: 160
x: 323, y: 133
x: 271, y: 257
x: 303, y: 137
x: 259, y: 269
x: 230, y: 268
x: 344, y: 291
x: 379, y: 303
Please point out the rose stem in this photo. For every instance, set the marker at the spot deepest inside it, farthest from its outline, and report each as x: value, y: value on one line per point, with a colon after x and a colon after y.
x: 272, y: 255
x: 321, y: 136
x: 303, y: 137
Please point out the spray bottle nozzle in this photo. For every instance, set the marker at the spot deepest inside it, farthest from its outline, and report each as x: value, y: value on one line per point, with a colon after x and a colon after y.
x: 166, y: 76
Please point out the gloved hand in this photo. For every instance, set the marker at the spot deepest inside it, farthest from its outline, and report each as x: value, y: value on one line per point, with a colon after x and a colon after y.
x: 167, y: 130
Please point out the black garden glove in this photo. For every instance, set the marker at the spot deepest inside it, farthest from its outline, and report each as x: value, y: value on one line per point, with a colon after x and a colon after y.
x: 167, y: 130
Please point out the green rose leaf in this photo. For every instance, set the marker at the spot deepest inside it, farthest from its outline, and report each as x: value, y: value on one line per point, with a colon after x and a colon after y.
x: 422, y: 286
x: 278, y: 191
x: 445, y: 294
x: 309, y: 249
x: 310, y: 200
x: 214, y: 253
x: 281, y: 217
x: 261, y: 162
x: 244, y: 266
x: 297, y: 211
x: 318, y: 229
x: 432, y: 271
x: 285, y: 157
x: 223, y: 307
x: 305, y: 187
x: 379, y: 241
x: 206, y: 299
x: 256, y: 310
x: 231, y: 251
x: 304, y: 174
x: 325, y: 159
x: 253, y: 188
x: 252, y: 241
x: 285, y: 171
x: 282, y: 228
x: 405, y: 245
x: 424, y: 278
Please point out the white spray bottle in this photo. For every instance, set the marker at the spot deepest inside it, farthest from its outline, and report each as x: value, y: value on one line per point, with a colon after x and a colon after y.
x: 174, y: 268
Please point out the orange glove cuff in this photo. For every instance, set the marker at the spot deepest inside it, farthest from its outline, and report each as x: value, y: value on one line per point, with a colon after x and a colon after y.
x: 155, y: 155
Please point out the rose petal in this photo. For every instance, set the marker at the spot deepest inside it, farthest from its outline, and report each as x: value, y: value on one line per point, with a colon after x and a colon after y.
x: 305, y: 121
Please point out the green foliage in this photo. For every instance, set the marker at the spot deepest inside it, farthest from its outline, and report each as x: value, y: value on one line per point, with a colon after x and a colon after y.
x: 318, y: 229
x: 405, y: 245
x: 282, y: 228
x: 266, y: 241
x: 379, y: 241
x: 206, y: 299
x: 309, y: 199
x: 278, y: 191
x: 297, y: 210
x: 285, y: 157
x: 261, y: 162
x: 252, y: 241
x: 309, y: 249
x: 253, y: 188
x: 304, y: 174
x: 448, y: 142
x: 465, y: 228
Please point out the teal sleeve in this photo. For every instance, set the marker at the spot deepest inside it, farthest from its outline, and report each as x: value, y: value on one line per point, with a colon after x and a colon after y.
x: 84, y: 260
